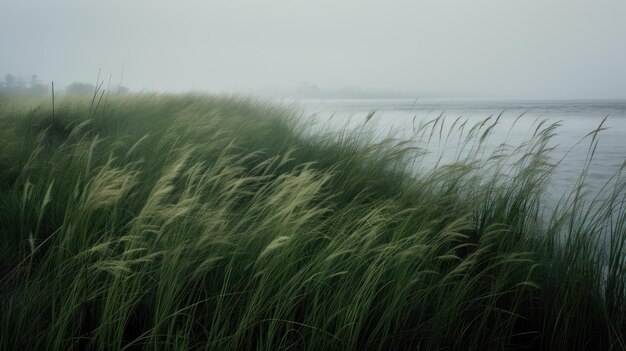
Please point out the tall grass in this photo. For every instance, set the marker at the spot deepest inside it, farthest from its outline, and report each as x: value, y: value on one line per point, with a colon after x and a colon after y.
x: 219, y: 223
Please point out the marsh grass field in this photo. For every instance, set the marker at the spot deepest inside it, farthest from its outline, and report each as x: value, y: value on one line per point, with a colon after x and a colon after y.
x: 175, y: 222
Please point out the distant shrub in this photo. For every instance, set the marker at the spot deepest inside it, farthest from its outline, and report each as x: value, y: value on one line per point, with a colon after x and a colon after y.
x: 78, y: 88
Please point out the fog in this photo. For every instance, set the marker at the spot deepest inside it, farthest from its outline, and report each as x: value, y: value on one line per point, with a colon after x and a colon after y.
x: 507, y: 49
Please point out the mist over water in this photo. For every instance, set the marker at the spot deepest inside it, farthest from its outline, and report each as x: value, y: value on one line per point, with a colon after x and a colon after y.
x: 577, y: 119
x: 482, y: 48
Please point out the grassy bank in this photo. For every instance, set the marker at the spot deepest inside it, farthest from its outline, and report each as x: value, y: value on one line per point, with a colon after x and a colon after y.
x: 196, y: 222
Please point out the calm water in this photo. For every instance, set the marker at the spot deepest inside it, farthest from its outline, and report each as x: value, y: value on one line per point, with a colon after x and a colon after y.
x: 577, y: 119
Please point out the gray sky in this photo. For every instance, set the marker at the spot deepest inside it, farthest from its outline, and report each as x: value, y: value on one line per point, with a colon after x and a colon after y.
x: 499, y: 48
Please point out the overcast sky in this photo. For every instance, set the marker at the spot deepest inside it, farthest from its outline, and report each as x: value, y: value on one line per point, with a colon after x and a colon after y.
x: 499, y: 48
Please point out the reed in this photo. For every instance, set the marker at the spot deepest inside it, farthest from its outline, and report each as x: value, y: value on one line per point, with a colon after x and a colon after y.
x: 224, y: 223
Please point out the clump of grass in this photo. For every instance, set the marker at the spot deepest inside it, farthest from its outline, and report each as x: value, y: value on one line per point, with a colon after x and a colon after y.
x: 199, y: 222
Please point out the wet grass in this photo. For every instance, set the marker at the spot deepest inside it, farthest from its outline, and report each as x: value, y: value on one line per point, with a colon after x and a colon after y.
x: 221, y: 223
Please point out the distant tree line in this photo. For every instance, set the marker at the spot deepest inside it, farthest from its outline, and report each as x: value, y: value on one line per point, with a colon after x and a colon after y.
x: 16, y: 85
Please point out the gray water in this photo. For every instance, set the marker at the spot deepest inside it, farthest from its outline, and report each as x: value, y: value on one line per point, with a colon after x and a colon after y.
x: 577, y: 118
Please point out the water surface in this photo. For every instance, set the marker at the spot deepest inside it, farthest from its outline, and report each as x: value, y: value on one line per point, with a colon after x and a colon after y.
x: 577, y: 118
